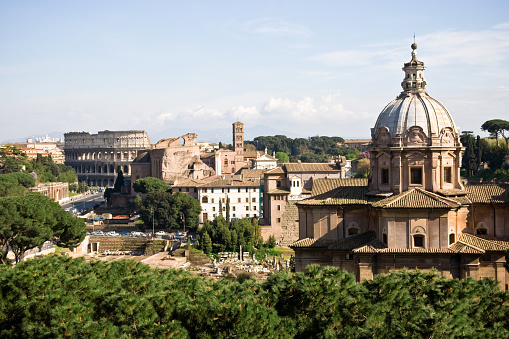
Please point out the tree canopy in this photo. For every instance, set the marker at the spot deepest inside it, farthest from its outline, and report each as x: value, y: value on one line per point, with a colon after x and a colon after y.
x: 168, y: 210
x: 149, y: 184
x: 497, y: 128
x: 15, y: 183
x: 58, y: 297
x: 12, y: 159
x: 28, y: 221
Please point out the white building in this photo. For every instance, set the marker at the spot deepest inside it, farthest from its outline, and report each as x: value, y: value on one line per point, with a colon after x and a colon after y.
x: 243, y: 195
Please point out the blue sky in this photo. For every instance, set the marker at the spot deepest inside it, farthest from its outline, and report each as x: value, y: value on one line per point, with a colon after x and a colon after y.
x: 302, y: 67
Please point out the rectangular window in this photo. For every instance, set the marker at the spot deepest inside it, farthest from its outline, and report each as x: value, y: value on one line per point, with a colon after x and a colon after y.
x: 418, y: 241
x: 278, y: 220
x: 226, y: 162
x: 254, y: 199
x: 212, y: 200
x: 238, y: 200
x: 233, y: 208
x: 247, y: 199
x: 416, y: 176
x: 222, y: 200
x: 213, y: 208
x: 279, y: 207
x: 385, y: 176
x: 247, y: 208
x: 254, y: 208
x: 448, y: 175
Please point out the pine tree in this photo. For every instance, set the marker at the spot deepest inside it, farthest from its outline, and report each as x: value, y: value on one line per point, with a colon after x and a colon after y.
x: 227, y: 209
x: 206, y: 243
x: 119, y: 182
x: 470, y: 157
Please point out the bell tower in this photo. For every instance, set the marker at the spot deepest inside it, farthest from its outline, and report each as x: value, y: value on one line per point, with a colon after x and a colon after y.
x: 238, y: 144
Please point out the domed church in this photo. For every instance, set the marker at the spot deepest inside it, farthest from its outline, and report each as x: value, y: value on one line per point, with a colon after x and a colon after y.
x: 413, y: 210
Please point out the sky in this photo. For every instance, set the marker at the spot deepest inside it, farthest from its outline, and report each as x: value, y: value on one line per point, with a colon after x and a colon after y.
x: 301, y: 68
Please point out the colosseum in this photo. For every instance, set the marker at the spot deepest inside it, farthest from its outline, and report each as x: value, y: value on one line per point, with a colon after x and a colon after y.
x: 97, y: 158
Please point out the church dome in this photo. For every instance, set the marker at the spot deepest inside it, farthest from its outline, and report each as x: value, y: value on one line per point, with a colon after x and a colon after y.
x: 414, y: 107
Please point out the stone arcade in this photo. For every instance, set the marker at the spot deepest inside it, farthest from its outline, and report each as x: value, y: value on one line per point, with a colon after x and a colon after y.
x: 413, y: 211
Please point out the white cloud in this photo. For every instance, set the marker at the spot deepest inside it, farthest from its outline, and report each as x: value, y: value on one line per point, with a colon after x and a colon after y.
x: 449, y: 47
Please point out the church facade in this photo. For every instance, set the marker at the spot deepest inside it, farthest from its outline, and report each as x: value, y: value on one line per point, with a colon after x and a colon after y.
x: 413, y: 211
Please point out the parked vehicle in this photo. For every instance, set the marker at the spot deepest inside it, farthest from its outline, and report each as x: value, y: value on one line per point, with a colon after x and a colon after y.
x: 98, y: 233
x: 124, y: 234
x: 180, y: 235
x: 160, y: 233
x: 112, y: 234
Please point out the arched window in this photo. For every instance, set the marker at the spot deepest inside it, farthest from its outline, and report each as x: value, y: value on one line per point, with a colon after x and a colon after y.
x: 352, y: 229
x: 452, y: 238
x: 205, y: 200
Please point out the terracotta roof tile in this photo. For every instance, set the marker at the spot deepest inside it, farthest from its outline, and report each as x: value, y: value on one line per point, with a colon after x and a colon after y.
x: 279, y: 191
x: 232, y: 183
x: 337, y: 192
x: 277, y: 170
x: 310, y: 167
x: 484, y: 244
x: 252, y: 173
x: 416, y: 198
x: 315, y: 243
x: 488, y: 194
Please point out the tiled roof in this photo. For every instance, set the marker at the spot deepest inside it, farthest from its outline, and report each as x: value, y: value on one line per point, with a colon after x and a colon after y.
x: 460, y: 247
x: 416, y: 198
x: 310, y: 167
x: 233, y: 183
x: 251, y: 154
x: 188, y: 183
x: 279, y: 191
x: 354, y: 241
x: 488, y: 194
x: 484, y: 244
x: 315, y: 243
x: 252, y: 173
x: 337, y: 192
x: 277, y: 170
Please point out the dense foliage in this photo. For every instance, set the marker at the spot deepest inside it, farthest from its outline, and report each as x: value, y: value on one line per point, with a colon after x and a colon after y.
x: 229, y: 236
x: 313, y: 149
x: 149, y: 184
x: 478, y: 151
x: 57, y: 297
x: 15, y: 183
x: 48, y: 171
x: 165, y: 210
x: 28, y: 221
x: 12, y: 159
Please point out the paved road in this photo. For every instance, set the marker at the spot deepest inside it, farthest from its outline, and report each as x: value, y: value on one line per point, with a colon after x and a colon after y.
x: 83, y: 202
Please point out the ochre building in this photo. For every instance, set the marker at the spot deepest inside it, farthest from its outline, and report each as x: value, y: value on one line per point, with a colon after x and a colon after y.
x: 413, y: 211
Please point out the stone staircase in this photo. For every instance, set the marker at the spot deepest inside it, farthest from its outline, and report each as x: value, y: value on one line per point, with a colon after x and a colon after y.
x: 125, y: 244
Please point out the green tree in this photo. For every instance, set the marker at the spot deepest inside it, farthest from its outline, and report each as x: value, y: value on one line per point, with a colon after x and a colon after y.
x: 27, y: 222
x: 138, y: 202
x: 220, y: 207
x: 282, y: 157
x: 206, y: 243
x: 469, y: 158
x: 12, y: 159
x: 186, y: 206
x: 363, y: 168
x: 149, y: 184
x: 498, y: 128
x: 271, y: 241
x: 227, y: 209
x: 119, y: 182
x: 15, y: 184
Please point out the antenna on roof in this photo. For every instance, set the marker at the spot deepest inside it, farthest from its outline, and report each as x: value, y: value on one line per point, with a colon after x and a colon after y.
x: 414, y: 37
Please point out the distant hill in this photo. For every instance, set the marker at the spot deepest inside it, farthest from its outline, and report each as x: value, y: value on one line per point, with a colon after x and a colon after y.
x: 52, y: 135
x: 223, y: 135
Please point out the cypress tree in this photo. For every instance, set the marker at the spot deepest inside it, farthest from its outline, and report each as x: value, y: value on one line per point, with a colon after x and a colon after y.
x: 227, y: 209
